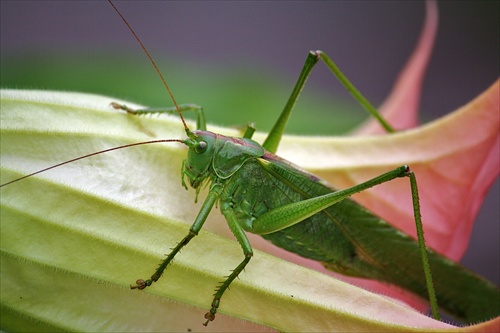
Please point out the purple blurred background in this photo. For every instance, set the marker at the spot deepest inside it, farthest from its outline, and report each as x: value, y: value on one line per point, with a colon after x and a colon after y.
x: 369, y: 40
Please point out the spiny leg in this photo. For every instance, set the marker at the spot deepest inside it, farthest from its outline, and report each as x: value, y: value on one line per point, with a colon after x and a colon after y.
x: 273, y: 139
x: 293, y: 213
x: 200, y: 115
x: 247, y: 251
x: 209, y: 202
x: 142, y: 284
x: 209, y: 316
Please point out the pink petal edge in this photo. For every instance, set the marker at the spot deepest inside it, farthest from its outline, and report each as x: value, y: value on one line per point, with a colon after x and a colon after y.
x: 401, y: 107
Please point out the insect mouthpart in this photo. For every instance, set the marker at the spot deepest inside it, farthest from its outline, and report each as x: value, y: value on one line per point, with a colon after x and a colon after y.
x: 194, y: 176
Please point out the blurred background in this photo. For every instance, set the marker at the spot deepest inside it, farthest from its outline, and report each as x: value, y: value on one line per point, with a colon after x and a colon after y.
x: 240, y: 60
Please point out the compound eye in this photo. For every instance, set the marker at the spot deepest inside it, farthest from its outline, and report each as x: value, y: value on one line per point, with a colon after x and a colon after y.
x: 201, y: 147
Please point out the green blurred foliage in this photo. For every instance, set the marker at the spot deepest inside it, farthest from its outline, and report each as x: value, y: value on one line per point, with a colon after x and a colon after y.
x: 229, y: 96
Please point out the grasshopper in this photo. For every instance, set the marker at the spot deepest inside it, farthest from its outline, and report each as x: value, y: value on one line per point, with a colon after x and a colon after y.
x: 232, y: 165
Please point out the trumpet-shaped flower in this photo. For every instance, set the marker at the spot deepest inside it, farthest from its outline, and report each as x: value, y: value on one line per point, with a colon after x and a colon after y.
x: 74, y: 238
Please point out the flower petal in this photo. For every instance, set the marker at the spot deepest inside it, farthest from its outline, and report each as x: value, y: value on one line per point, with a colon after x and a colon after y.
x: 73, y: 238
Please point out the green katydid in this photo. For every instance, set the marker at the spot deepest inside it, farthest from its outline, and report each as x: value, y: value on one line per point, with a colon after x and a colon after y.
x: 254, y: 159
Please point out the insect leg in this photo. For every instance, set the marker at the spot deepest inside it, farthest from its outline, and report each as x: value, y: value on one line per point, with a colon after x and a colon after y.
x: 287, y: 215
x: 248, y: 252
x: 290, y: 214
x: 422, y: 247
x: 209, y: 202
x: 249, y: 131
x: 273, y: 139
x: 200, y: 115
x: 354, y: 92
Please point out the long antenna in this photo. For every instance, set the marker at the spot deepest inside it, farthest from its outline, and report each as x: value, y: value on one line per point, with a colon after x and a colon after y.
x: 92, y: 154
x: 154, y: 65
x: 128, y: 145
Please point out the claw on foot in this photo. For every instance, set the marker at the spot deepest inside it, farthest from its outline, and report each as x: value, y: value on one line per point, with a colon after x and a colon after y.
x: 209, y: 316
x: 122, y: 107
x: 141, y: 284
